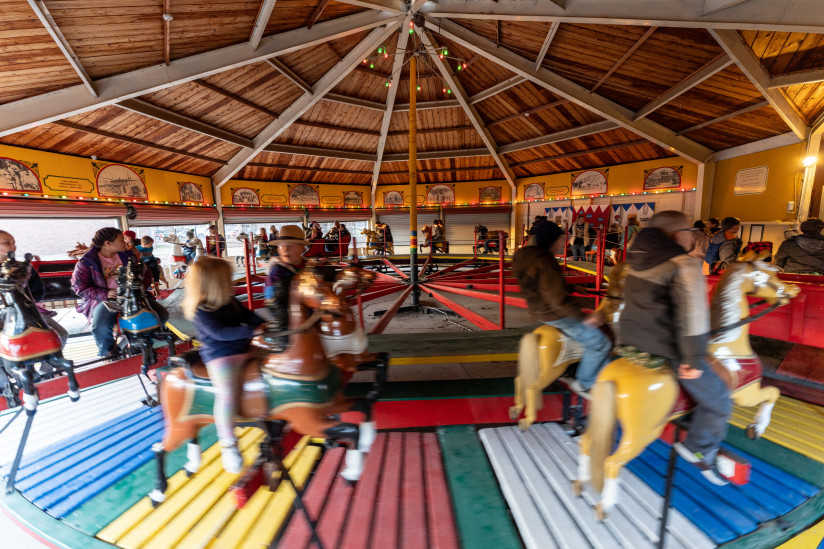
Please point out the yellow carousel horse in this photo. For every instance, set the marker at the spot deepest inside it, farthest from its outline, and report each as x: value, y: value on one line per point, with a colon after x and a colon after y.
x: 546, y: 353
x: 644, y: 399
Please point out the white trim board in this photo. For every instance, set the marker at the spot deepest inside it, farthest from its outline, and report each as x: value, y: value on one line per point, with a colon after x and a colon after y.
x: 775, y: 142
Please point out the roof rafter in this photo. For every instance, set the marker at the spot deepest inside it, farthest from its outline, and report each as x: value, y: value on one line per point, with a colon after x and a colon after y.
x: 42, y: 13
x: 572, y: 91
x: 623, y: 59
x: 397, y: 7
x: 182, y: 121
x: 773, y: 15
x: 261, y: 21
x: 354, y: 101
x: 397, y: 65
x: 496, y: 89
x: 304, y: 102
x: 797, y: 78
x: 553, y: 28
x: 745, y: 110
x: 281, y: 148
x: 752, y: 69
x: 281, y: 67
x: 236, y: 98
x: 316, y: 14
x: 437, y: 155
x: 716, y: 65
x: 563, y: 135
x: 580, y: 153
x: 471, y: 112
x: 34, y: 111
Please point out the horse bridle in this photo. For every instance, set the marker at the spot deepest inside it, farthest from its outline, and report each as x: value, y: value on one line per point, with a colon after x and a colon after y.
x: 781, y: 299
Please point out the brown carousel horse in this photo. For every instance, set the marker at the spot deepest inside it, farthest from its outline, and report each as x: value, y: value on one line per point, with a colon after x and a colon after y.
x: 545, y: 354
x: 298, y: 385
x: 643, y: 397
x: 439, y: 246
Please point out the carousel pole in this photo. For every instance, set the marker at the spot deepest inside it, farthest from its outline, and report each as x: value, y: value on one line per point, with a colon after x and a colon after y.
x: 413, y: 186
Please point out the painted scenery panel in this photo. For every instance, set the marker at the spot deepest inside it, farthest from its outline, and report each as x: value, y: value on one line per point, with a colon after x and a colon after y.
x: 534, y: 191
x: 191, y: 192
x: 440, y: 194
x: 393, y: 198
x: 353, y: 198
x: 245, y: 196
x: 662, y: 178
x: 118, y: 181
x: 303, y: 195
x: 490, y: 194
x: 589, y: 182
x: 17, y: 177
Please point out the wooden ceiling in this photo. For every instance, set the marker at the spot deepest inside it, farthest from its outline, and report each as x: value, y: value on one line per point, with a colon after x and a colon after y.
x: 279, y: 90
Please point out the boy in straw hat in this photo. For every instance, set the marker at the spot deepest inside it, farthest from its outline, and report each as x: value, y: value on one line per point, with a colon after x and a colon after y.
x: 291, y: 244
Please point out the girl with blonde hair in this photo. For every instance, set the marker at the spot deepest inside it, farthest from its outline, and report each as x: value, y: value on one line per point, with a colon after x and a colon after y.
x: 224, y: 329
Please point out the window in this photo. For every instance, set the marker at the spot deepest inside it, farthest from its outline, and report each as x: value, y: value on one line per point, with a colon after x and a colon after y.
x: 235, y: 247
x: 50, y: 238
x: 162, y: 249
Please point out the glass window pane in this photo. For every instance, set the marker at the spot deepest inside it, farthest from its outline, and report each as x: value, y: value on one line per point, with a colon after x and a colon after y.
x: 50, y: 239
x: 163, y: 249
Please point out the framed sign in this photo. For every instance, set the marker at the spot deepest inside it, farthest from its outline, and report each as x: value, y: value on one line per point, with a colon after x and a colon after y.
x: 534, y: 191
x: 190, y: 192
x: 490, y: 194
x: 589, y: 182
x: 393, y: 198
x: 17, y: 177
x: 303, y: 195
x: 751, y: 181
x: 663, y: 178
x: 119, y: 181
x: 353, y: 198
x: 440, y: 194
x: 244, y: 196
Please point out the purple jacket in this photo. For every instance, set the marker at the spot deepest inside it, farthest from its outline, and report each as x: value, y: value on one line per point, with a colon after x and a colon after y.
x: 88, y: 281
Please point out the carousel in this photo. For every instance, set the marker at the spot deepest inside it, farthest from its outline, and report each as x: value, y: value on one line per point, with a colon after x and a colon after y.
x: 409, y: 400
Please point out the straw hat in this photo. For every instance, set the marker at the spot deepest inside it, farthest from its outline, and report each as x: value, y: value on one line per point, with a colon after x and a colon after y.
x: 290, y: 234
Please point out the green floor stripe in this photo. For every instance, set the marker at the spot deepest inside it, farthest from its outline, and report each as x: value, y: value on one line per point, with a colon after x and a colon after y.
x: 775, y: 532
x: 481, y: 513
x: 112, y: 502
x: 779, y: 456
x: 454, y: 388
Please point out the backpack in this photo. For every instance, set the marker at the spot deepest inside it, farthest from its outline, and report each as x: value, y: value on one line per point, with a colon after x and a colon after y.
x: 713, y: 254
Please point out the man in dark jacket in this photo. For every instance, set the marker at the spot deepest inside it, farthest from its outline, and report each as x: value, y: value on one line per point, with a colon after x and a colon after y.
x: 666, y: 315
x: 724, y: 246
x: 803, y: 253
x: 548, y: 300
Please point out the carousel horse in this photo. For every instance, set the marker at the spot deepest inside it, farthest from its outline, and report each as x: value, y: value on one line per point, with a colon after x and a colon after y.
x: 641, y: 392
x: 427, y: 230
x: 545, y: 354
x: 78, y: 251
x: 138, y: 322
x: 176, y: 259
x: 25, y: 339
x: 298, y: 385
x: 373, y: 242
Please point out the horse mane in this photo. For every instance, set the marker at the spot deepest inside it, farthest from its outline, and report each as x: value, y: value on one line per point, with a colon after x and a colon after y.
x: 724, y: 304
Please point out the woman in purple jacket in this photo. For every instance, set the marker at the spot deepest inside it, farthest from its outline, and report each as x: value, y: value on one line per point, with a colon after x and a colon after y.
x: 95, y: 280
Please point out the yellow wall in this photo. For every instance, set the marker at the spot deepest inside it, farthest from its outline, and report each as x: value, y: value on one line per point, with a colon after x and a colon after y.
x: 59, y: 175
x: 277, y: 193
x: 465, y: 193
x: 784, y: 174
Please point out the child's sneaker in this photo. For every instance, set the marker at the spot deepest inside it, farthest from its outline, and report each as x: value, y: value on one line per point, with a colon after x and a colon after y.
x: 708, y: 471
x: 232, y: 460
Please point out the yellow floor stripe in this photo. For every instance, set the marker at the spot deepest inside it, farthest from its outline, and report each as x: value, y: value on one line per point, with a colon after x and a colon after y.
x: 791, y: 424
x: 410, y: 360
x: 245, y: 519
x: 280, y: 503
x: 807, y: 539
x: 137, y: 514
x: 172, y: 519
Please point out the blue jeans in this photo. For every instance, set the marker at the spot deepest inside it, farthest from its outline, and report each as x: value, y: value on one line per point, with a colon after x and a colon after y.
x: 596, y: 347
x: 579, y: 252
x: 708, y: 426
x: 190, y: 255
x: 103, y: 322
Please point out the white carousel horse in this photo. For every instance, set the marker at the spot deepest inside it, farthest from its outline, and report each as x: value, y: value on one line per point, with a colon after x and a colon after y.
x: 177, y: 261
x: 644, y: 398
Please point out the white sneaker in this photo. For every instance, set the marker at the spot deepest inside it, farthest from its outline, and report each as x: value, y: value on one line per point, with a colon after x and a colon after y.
x: 576, y: 387
x: 232, y: 460
x: 709, y: 472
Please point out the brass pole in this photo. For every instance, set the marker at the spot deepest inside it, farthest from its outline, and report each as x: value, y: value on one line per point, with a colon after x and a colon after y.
x: 413, y: 184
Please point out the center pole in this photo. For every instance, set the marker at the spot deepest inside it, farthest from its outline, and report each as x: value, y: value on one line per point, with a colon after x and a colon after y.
x: 413, y: 186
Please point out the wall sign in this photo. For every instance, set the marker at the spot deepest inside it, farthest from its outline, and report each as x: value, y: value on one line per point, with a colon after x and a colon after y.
x: 19, y: 177
x: 353, y: 198
x: 244, y: 196
x: 663, y: 178
x: 534, y: 191
x: 393, y: 198
x: 589, y: 182
x: 274, y: 198
x: 490, y: 194
x: 68, y: 184
x: 440, y: 194
x: 303, y: 195
x: 190, y: 192
x: 751, y: 181
x: 119, y: 181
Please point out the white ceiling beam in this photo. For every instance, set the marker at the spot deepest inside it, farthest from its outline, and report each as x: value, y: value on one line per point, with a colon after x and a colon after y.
x: 573, y: 92
x: 817, y: 126
x: 553, y: 28
x: 354, y: 101
x: 774, y: 15
x: 715, y: 66
x: 29, y: 113
x: 749, y: 64
x: 396, y: 7
x: 261, y: 21
x: 279, y: 66
x: 797, y: 78
x: 42, y: 13
x: 437, y: 155
x: 573, y: 133
x: 182, y: 121
x: 471, y: 112
x: 496, y: 89
x: 745, y: 110
x: 711, y: 6
x: 304, y: 102
x: 428, y: 105
x: 397, y: 65
x: 319, y: 153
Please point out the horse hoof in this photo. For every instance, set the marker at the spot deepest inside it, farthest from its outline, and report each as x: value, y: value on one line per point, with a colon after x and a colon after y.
x: 156, y: 497
x: 514, y: 412
x: 577, y: 488
x: 752, y: 432
x: 600, y: 514
x: 524, y: 424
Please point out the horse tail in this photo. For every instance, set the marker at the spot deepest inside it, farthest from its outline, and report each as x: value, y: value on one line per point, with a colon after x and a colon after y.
x: 601, y: 429
x: 173, y: 400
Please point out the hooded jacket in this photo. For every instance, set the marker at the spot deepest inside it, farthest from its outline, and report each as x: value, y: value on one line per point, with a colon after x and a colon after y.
x: 801, y: 254
x: 89, y: 283
x: 665, y: 301
x: 728, y: 248
x: 542, y: 284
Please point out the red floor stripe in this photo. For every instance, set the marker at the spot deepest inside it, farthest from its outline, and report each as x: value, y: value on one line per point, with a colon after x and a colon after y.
x: 333, y: 519
x: 413, y: 513
x: 297, y: 532
x: 803, y: 362
x: 387, y: 511
x: 359, y: 524
x: 441, y: 524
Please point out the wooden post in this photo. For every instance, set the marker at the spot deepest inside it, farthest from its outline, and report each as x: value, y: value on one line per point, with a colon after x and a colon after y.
x: 413, y: 184
x: 502, y: 297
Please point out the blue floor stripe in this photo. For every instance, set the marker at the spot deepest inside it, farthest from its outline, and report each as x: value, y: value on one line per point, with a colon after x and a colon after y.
x: 81, y: 455
x: 46, y: 494
x: 723, y: 513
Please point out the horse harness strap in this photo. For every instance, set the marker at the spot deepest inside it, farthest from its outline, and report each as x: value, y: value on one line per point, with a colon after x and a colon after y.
x: 304, y: 327
x: 749, y: 319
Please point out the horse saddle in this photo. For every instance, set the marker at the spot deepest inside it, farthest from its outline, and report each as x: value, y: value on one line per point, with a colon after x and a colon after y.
x: 251, y: 396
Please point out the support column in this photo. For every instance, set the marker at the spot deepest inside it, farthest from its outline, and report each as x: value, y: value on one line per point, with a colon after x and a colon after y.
x: 413, y: 185
x: 812, y: 151
x: 704, y: 185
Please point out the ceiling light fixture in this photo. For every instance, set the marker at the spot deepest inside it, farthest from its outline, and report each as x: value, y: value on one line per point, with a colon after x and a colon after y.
x: 168, y: 17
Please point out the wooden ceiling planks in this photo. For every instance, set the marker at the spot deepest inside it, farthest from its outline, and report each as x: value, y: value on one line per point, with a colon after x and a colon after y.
x: 30, y: 61
x: 293, y: 14
x: 783, y: 52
